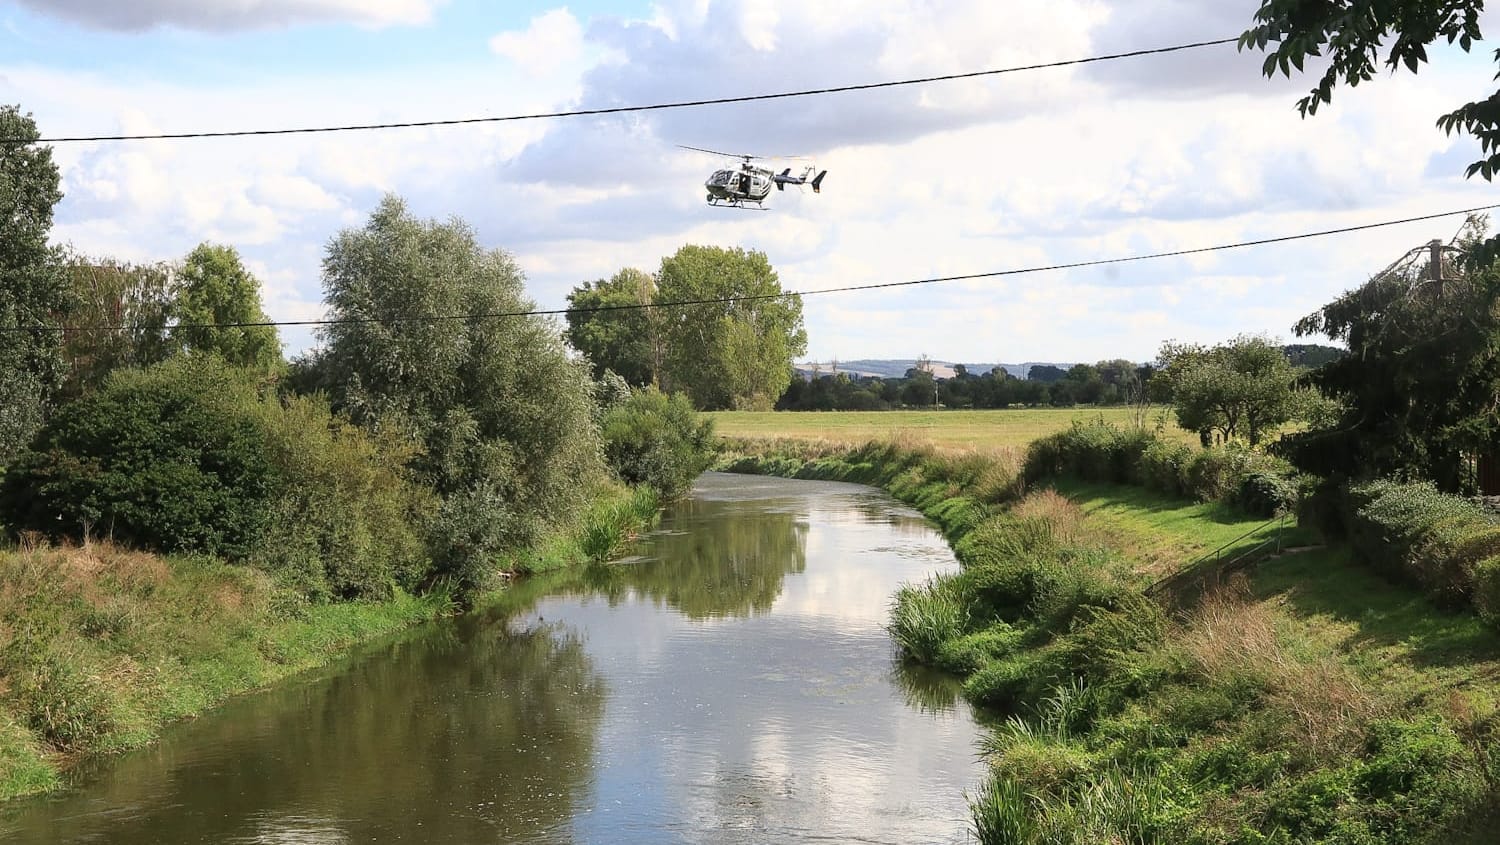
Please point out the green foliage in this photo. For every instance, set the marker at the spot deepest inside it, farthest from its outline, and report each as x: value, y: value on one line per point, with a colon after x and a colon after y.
x: 106, y: 292
x: 728, y: 354
x: 1259, y: 484
x: 657, y: 440
x: 107, y: 646
x: 1115, y: 805
x: 345, y: 521
x: 32, y: 287
x: 1163, y: 467
x: 613, y: 524
x: 613, y: 335
x: 1441, y: 542
x: 925, y: 617
x: 170, y: 458
x: 1351, y: 36
x: 504, y: 418
x: 214, y: 287
x: 1241, y: 389
x: 1417, y: 389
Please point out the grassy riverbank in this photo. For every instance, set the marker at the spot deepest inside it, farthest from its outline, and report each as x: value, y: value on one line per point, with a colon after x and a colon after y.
x: 1310, y: 701
x: 101, y: 647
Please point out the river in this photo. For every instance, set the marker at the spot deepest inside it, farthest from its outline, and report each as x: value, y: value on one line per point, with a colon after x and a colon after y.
x: 732, y: 683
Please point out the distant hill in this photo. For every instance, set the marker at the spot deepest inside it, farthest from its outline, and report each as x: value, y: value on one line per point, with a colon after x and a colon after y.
x: 897, y: 367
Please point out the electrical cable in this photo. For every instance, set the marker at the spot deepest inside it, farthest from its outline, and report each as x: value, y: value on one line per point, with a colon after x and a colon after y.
x: 552, y: 312
x: 750, y: 98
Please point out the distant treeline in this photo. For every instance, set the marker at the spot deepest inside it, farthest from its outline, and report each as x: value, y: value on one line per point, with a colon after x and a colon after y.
x: 1114, y: 382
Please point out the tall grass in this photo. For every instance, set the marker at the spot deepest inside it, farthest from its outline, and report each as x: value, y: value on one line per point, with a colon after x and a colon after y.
x: 924, y: 617
x: 100, y: 647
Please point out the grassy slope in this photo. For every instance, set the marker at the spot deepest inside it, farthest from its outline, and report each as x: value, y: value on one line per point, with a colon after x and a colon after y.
x: 984, y: 430
x: 1317, y: 702
x: 1390, y: 634
x: 100, y: 648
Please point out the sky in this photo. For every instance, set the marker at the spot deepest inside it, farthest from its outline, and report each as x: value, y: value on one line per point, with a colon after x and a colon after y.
x: 1006, y: 172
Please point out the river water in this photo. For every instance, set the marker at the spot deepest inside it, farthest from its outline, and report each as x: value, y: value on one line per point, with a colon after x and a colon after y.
x: 733, y: 683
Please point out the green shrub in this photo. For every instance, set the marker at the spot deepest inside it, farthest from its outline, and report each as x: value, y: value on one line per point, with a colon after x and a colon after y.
x: 1092, y: 451
x: 170, y: 458
x: 967, y: 653
x: 346, y: 521
x: 1265, y: 493
x: 1212, y: 475
x: 1161, y: 467
x: 658, y: 440
x: 1416, y: 533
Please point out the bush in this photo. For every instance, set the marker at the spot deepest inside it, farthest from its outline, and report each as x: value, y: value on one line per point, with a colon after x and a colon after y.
x: 345, y: 520
x: 1092, y: 451
x: 1162, y: 467
x: 1212, y: 475
x: 658, y: 440
x: 170, y: 458
x: 1414, y: 532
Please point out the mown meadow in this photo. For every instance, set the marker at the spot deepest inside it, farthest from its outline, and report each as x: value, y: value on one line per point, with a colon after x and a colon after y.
x: 1010, y: 428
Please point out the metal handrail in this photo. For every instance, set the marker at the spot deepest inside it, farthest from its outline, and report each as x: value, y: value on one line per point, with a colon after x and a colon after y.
x: 1217, y: 554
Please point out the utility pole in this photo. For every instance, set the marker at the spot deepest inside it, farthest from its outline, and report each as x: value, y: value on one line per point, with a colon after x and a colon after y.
x: 1435, y: 261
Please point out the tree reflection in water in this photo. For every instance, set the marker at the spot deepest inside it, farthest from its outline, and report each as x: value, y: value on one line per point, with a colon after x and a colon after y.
x: 469, y: 732
x: 723, y: 558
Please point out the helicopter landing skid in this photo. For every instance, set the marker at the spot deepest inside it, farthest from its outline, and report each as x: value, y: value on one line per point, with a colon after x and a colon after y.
x: 739, y: 204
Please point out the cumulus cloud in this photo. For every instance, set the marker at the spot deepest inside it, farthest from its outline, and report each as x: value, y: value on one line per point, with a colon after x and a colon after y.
x: 551, y: 41
x: 1030, y: 169
x: 230, y: 15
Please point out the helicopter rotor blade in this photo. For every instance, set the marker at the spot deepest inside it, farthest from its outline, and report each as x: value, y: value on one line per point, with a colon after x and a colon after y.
x: 716, y: 152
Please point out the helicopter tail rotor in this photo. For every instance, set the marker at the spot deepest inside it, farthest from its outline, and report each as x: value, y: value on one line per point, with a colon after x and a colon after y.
x: 817, y: 182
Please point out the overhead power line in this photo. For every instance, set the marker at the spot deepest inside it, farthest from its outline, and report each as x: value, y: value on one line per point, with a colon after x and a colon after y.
x: 993, y: 274
x: 717, y: 101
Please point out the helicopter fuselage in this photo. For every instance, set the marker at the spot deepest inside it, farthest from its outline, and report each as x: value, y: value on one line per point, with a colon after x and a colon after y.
x: 747, y: 184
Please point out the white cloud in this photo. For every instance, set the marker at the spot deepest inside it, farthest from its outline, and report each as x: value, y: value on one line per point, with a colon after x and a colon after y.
x: 552, y: 41
x: 1050, y: 167
x: 230, y: 15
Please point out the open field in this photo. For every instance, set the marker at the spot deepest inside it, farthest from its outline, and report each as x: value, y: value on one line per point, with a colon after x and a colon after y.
x: 984, y: 430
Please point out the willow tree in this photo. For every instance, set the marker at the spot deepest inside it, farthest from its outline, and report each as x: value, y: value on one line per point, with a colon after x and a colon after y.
x: 32, y: 286
x: 734, y: 346
x: 503, y: 416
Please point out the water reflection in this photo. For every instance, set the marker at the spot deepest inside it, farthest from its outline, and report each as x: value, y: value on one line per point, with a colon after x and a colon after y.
x: 720, y: 558
x: 733, y: 684
x: 432, y: 736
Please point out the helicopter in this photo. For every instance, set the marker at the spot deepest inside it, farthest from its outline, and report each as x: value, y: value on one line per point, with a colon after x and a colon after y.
x: 752, y: 183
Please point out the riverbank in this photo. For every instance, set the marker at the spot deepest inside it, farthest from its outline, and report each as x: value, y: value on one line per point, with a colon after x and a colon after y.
x: 102, y: 647
x: 1307, y: 700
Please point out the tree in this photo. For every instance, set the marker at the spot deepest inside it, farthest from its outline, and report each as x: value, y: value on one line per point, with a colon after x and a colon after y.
x: 213, y: 287
x: 32, y: 286
x: 625, y: 340
x: 119, y: 313
x: 1418, y: 386
x: 1046, y: 374
x: 734, y: 354
x: 503, y: 416
x: 1352, y: 33
x: 1242, y: 389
